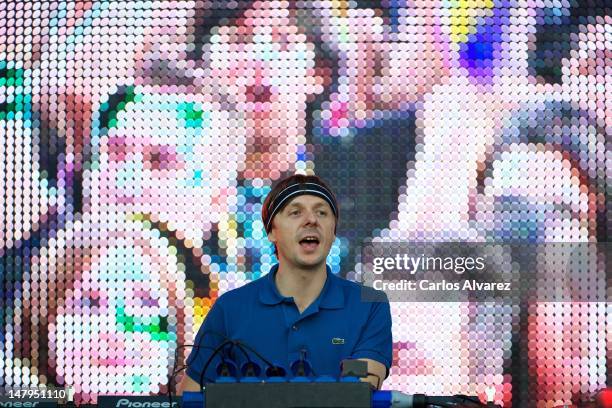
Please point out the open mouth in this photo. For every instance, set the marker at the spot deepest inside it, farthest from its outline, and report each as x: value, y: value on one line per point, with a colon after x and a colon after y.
x: 309, y: 243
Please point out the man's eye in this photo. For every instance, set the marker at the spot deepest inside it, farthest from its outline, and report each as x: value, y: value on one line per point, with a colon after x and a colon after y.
x: 323, y: 213
x: 294, y: 212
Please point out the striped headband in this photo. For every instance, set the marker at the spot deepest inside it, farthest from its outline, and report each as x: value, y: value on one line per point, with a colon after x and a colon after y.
x: 295, y: 190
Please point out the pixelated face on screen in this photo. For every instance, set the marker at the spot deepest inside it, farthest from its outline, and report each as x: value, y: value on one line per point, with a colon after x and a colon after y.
x: 138, y: 141
x: 115, y: 329
x: 106, y: 312
x: 266, y: 70
x: 180, y: 169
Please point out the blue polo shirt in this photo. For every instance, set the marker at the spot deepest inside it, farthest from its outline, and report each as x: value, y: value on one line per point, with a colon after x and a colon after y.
x: 336, y: 326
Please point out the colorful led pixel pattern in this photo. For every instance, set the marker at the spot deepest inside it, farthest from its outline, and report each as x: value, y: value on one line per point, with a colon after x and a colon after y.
x: 139, y: 139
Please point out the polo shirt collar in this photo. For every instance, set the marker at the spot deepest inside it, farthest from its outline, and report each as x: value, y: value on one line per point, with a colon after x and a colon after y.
x: 331, y: 297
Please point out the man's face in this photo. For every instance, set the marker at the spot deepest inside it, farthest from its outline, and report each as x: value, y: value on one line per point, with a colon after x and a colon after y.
x: 303, y: 232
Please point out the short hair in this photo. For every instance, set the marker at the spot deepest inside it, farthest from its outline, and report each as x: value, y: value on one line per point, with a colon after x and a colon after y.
x: 287, y: 182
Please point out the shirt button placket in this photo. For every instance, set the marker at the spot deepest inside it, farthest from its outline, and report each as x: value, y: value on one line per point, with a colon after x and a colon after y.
x: 294, y: 341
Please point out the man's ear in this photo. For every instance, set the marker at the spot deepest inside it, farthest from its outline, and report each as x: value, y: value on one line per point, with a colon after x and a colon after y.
x: 272, y: 236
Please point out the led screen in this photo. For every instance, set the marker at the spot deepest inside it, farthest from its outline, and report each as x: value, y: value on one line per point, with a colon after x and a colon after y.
x: 139, y: 139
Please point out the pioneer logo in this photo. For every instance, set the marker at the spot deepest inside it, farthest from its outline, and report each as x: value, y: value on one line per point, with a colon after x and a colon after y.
x: 5, y: 402
x: 116, y: 401
x: 8, y: 402
x: 126, y: 403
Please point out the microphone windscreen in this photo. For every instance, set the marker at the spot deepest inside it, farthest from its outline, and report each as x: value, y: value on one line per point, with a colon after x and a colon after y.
x: 276, y: 371
x: 301, y: 368
x: 227, y: 368
x: 250, y: 369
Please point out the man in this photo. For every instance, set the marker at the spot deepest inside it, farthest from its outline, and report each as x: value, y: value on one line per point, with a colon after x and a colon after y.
x: 299, y: 313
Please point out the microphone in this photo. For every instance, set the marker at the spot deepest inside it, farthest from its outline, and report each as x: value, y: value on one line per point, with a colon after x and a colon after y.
x: 250, y: 369
x: 301, y: 367
x: 226, y: 368
x: 216, y: 351
x: 275, y: 371
x: 197, y: 346
x: 395, y: 399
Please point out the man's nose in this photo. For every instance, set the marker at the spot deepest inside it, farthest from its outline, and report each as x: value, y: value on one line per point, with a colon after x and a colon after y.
x: 311, y: 217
